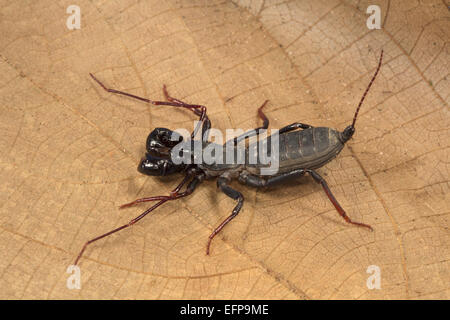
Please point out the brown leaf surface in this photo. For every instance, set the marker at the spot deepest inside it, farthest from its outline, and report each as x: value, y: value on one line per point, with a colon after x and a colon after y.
x: 69, y: 150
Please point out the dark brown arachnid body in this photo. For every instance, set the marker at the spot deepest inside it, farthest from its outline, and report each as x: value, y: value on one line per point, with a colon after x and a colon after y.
x: 302, y: 149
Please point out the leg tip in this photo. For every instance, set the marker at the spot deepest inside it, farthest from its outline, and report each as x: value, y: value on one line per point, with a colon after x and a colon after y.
x: 123, y: 206
x: 207, y: 248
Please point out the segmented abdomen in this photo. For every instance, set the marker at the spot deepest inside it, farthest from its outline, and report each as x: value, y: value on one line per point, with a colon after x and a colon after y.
x: 303, y: 149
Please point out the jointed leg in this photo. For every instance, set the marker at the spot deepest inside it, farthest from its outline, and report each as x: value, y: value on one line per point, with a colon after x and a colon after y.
x: 256, y: 131
x: 206, y: 124
x: 333, y: 200
x: 197, y: 109
x: 222, y: 183
x: 258, y: 181
x: 294, y: 126
x: 170, y: 98
x: 189, y: 189
x: 174, y: 194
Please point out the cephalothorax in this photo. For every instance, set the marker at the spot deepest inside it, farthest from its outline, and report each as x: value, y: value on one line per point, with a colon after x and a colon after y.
x: 300, y: 151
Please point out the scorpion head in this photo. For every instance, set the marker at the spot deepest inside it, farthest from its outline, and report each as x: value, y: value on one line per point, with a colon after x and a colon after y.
x: 156, y: 161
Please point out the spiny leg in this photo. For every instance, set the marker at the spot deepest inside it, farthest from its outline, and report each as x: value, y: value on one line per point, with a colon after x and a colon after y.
x: 197, y: 109
x: 333, y: 200
x: 189, y: 189
x: 222, y: 183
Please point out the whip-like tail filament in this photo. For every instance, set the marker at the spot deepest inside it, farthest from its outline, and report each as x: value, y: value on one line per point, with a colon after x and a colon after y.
x: 367, y: 90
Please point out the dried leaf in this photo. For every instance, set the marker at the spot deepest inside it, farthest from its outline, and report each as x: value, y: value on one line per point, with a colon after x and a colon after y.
x: 70, y: 150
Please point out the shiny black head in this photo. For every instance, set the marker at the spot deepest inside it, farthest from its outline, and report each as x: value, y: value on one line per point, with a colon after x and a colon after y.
x: 157, y: 160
